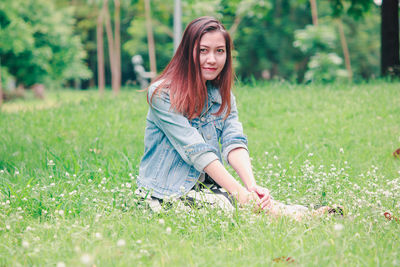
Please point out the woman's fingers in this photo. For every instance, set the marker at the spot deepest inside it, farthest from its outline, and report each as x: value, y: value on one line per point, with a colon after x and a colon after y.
x: 266, y: 202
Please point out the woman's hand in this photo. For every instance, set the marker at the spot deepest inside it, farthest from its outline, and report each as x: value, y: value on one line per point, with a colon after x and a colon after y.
x: 264, y: 196
x: 245, y: 197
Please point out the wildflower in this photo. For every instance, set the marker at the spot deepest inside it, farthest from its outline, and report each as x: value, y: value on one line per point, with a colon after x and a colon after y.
x: 16, y: 172
x: 29, y: 228
x: 67, y: 174
x: 86, y: 259
x: 61, y: 212
x: 341, y: 150
x: 100, y: 170
x: 338, y: 227
x: 50, y: 163
x: 60, y: 264
x: 8, y: 227
x: 98, y: 235
x: 139, y: 241
x: 121, y: 243
x: 1, y: 171
x: 161, y: 221
x: 168, y: 230
x: 25, y: 244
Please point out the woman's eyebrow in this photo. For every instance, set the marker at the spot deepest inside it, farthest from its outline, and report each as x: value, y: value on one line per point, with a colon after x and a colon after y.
x: 209, y: 47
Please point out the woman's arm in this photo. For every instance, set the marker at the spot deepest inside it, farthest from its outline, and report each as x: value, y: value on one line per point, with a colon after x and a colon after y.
x: 240, y: 161
x: 222, y: 177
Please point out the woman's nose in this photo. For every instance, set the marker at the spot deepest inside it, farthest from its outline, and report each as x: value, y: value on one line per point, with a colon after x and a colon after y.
x: 211, y: 58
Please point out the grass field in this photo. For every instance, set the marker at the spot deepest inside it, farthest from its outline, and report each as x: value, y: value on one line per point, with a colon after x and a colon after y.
x: 68, y: 167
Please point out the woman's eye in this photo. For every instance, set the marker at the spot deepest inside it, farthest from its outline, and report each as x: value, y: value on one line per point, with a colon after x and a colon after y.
x: 203, y: 50
x: 220, y: 50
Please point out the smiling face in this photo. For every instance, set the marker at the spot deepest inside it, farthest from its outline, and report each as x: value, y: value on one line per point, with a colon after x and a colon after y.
x: 212, y: 55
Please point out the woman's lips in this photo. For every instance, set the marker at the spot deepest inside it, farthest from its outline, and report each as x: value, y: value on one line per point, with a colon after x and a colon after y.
x: 210, y: 69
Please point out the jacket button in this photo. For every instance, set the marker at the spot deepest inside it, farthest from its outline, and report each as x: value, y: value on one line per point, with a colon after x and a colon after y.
x: 208, y: 136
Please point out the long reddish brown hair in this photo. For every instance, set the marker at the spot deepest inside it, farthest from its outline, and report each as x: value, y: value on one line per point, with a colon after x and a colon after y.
x: 183, y: 78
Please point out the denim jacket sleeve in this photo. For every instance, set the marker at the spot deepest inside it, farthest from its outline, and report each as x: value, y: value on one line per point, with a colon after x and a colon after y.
x: 232, y: 132
x: 185, y: 139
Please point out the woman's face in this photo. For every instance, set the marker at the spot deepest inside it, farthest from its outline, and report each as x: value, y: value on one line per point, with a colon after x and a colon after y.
x: 212, y: 55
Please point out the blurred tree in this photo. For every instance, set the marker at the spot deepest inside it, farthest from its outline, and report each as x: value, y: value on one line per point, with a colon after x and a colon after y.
x: 318, y: 42
x: 150, y: 37
x: 390, y: 61
x: 101, y: 79
x: 390, y: 64
x: 37, y: 44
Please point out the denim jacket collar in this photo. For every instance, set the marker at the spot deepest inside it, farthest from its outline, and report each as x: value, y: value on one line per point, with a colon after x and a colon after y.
x: 213, y: 93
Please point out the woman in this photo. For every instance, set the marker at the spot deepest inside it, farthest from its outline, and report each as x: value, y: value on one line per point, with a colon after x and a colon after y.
x: 192, y: 125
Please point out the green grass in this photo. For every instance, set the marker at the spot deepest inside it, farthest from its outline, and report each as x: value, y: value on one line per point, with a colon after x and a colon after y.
x: 69, y: 163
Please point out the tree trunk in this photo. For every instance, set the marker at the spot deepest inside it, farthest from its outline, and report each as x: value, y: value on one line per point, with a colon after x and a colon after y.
x: 177, y: 23
x: 314, y: 12
x: 100, y: 50
x: 345, y: 49
x: 117, y: 45
x: 390, y: 38
x: 150, y: 38
x: 111, y: 49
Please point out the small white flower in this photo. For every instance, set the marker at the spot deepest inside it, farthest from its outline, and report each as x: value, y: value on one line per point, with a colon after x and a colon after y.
x: 60, y: 264
x: 100, y: 170
x: 16, y: 172
x: 168, y: 230
x: 121, y: 243
x: 28, y: 228
x: 50, y: 176
x: 67, y: 174
x: 128, y: 185
x: 1, y: 171
x: 61, y: 212
x: 8, y: 227
x: 341, y: 150
x: 161, y: 221
x: 86, y: 259
x: 338, y: 227
x: 50, y: 163
x: 25, y: 244
x: 98, y: 235
x: 139, y: 241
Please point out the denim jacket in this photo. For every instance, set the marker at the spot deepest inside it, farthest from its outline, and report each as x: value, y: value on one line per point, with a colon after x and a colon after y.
x: 178, y: 149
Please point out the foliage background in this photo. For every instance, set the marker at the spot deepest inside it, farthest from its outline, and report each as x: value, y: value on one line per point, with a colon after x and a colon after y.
x: 55, y: 41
